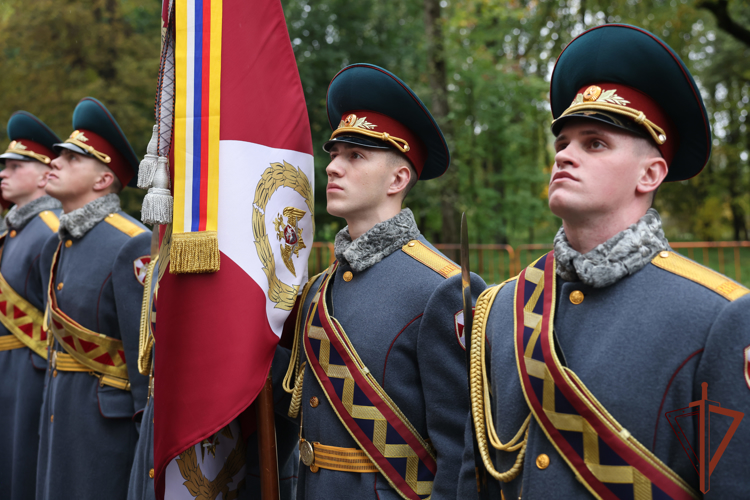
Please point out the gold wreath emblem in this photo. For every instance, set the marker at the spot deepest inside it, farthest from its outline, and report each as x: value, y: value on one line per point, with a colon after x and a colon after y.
x: 277, y: 175
x: 198, y: 484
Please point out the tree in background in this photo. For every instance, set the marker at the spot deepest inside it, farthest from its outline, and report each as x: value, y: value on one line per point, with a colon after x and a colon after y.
x: 495, y: 59
x: 54, y: 52
x: 482, y: 66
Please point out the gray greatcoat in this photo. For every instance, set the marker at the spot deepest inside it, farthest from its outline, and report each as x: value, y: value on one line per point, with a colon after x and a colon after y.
x: 400, y: 317
x: 642, y: 340
x: 22, y: 370
x: 87, y: 432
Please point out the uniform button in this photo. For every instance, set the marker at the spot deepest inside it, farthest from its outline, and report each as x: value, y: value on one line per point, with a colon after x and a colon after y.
x: 59, y: 286
x: 576, y: 297
x: 151, y: 473
x: 348, y: 276
x: 412, y: 243
x: 68, y: 244
x: 51, y: 418
x: 314, y: 401
x: 542, y: 461
x: 54, y: 374
x: 13, y: 233
x: 663, y: 254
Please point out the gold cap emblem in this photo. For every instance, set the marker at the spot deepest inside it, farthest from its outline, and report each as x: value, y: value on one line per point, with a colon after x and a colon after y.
x: 592, y: 93
x: 78, y: 136
x: 17, y: 146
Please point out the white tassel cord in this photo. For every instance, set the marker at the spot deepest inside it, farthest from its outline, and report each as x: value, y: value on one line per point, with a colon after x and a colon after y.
x: 157, y: 205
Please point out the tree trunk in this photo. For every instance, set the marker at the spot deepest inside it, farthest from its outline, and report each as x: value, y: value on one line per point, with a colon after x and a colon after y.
x: 436, y: 73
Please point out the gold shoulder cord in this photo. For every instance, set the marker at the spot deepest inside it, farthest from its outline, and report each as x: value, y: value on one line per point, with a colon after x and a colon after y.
x: 294, y: 371
x: 480, y: 395
x: 145, y: 341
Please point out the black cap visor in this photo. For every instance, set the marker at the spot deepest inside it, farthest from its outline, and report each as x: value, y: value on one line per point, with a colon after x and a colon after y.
x: 611, y: 119
x: 71, y: 147
x: 14, y: 156
x: 357, y: 141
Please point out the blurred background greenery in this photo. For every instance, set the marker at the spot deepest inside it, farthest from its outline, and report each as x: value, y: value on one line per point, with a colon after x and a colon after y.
x: 482, y: 66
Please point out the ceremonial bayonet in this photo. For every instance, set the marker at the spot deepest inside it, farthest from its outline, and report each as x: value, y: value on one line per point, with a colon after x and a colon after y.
x: 479, y: 469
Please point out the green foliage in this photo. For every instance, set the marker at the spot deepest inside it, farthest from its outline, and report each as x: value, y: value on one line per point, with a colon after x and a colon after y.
x: 53, y: 53
x: 498, y: 58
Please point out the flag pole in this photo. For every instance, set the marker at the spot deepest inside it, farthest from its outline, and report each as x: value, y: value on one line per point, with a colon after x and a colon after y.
x: 269, y: 464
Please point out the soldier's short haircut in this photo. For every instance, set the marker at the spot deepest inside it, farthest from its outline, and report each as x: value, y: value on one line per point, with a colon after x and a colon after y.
x: 396, y: 159
x: 116, y: 186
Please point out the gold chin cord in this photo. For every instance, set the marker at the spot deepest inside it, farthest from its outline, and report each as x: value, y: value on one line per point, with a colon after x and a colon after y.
x: 657, y: 133
x: 19, y: 149
x: 93, y: 152
x: 481, y: 410
x: 397, y: 142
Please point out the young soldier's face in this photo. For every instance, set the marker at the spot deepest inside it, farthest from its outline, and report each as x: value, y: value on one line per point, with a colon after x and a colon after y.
x: 22, y: 179
x: 358, y: 180
x: 73, y: 175
x: 596, y: 172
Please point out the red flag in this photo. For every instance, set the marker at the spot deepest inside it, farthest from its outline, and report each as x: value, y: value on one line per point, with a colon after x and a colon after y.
x: 218, y: 331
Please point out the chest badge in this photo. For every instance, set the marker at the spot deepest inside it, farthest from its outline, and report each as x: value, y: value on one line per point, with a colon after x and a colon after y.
x: 747, y: 366
x: 140, y: 267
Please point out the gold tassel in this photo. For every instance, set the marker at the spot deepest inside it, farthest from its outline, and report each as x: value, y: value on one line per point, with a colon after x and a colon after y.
x: 194, y: 253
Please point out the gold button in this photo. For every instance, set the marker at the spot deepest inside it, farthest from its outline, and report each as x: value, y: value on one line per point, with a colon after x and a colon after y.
x: 664, y: 254
x: 314, y: 401
x: 13, y: 233
x: 68, y: 244
x: 111, y: 215
x: 412, y: 243
x: 314, y: 468
x: 59, y: 286
x: 348, y: 276
x: 151, y: 473
x: 54, y: 374
x: 576, y: 297
x: 51, y: 418
x: 542, y: 461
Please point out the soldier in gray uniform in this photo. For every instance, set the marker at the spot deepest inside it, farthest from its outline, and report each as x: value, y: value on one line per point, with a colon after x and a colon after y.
x: 23, y: 343
x: 94, y: 270
x: 377, y: 374
x: 606, y: 357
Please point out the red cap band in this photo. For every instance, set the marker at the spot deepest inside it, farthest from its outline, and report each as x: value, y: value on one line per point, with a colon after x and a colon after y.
x: 631, y: 98
x: 118, y: 164
x: 372, y: 121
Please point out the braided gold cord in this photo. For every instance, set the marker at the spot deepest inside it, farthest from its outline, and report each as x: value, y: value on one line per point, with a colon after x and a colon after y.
x: 383, y: 136
x: 657, y: 133
x: 480, y: 399
x: 293, y: 370
x: 297, y: 393
x: 145, y: 341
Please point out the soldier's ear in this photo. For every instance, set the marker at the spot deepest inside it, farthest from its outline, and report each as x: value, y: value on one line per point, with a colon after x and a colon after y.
x: 104, y: 180
x: 400, y: 180
x: 653, y: 171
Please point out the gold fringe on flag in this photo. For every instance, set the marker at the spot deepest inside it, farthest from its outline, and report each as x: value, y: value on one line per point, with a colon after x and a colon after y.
x: 193, y: 253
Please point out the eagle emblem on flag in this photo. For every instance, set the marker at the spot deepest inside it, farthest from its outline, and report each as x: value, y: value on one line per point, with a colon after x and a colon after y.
x: 280, y: 175
x: 290, y: 235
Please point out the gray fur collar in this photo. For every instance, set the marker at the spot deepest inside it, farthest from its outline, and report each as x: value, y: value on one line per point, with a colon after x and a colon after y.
x: 17, y: 217
x: 377, y: 243
x: 625, y: 253
x: 79, y: 221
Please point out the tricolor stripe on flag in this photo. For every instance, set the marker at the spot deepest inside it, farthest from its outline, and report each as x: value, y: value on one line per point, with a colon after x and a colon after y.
x: 197, y: 115
x: 218, y: 331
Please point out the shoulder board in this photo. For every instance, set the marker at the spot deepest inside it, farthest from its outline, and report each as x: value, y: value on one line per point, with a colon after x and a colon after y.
x: 681, y: 266
x: 124, y: 225
x: 422, y: 253
x: 50, y: 219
